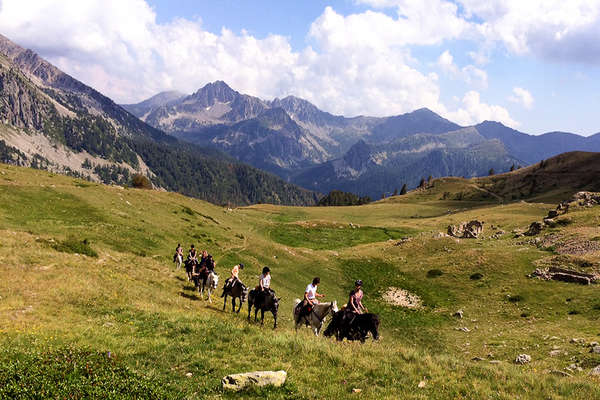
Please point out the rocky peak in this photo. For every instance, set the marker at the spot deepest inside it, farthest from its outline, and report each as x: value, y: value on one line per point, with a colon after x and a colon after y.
x: 215, y: 92
x: 359, y: 155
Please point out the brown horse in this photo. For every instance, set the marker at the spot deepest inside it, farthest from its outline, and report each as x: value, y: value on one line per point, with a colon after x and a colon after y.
x: 237, y: 290
x: 263, y: 302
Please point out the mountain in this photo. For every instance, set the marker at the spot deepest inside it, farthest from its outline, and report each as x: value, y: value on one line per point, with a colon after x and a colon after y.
x: 215, y: 103
x: 372, y: 169
x: 141, y: 110
x: 294, y: 139
x: 52, y: 121
x: 530, y: 148
x: 270, y: 141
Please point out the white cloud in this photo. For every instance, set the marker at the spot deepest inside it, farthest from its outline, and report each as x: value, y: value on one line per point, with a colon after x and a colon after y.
x: 522, y: 96
x: 470, y: 74
x: 356, y: 64
x: 473, y: 111
x: 553, y: 29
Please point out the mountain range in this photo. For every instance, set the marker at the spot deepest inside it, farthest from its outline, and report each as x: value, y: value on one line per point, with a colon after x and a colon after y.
x: 366, y: 155
x: 52, y: 121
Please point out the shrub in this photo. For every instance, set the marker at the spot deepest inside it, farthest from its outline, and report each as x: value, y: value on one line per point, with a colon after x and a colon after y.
x: 74, y: 374
x: 74, y: 245
x: 476, y: 276
x: 515, y: 299
x: 141, y: 182
x: 434, y: 273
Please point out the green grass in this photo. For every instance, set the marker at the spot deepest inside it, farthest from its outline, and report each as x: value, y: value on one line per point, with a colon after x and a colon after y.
x: 318, y: 236
x: 55, y: 300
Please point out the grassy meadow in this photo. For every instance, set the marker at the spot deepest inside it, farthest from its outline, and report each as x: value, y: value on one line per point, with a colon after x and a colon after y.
x: 91, y: 305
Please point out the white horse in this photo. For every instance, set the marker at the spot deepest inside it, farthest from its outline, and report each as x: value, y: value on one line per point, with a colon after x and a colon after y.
x: 316, y: 316
x: 211, y: 285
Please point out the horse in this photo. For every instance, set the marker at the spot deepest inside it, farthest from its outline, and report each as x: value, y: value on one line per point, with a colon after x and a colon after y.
x: 210, y: 283
x: 353, y: 326
x: 264, y: 302
x: 238, y: 290
x: 316, y: 316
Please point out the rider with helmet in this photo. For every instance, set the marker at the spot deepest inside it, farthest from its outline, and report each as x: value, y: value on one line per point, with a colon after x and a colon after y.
x: 355, y: 300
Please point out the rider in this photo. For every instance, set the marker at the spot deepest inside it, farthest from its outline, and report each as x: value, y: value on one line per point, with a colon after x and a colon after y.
x: 178, y: 257
x: 235, y: 271
x: 264, y: 280
x: 355, y: 300
x: 310, y: 298
x: 192, y: 260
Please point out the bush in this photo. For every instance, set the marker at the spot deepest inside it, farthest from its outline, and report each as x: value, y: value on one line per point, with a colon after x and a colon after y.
x: 515, y: 299
x: 434, y: 273
x: 476, y: 276
x: 141, y: 182
x: 74, y: 245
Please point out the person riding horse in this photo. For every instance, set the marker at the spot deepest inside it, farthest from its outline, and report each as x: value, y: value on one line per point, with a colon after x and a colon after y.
x: 191, y: 261
x: 310, y: 298
x: 235, y: 271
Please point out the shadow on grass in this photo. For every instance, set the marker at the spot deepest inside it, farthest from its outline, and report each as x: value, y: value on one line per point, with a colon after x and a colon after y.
x: 189, y: 288
x: 180, y: 279
x: 189, y: 296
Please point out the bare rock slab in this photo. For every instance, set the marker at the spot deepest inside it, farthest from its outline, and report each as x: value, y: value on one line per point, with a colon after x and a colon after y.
x: 237, y: 382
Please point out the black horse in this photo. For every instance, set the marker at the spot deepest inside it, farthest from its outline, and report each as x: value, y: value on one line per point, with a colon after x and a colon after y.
x: 263, y: 301
x: 237, y: 290
x: 353, y: 326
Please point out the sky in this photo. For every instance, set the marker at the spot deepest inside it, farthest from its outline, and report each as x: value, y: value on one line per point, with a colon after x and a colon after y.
x: 533, y: 65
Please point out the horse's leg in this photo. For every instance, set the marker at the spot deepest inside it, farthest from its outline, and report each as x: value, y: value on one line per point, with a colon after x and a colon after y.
x: 255, y: 313
x: 249, y: 308
x: 262, y: 316
x: 240, y: 307
x: 232, y: 304
x: 275, y: 320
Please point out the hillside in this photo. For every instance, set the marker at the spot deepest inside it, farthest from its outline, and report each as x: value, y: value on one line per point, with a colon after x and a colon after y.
x: 551, y: 180
x: 124, y: 323
x: 52, y: 121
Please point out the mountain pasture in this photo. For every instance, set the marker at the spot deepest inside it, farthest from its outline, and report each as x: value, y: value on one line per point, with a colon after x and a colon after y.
x: 127, y: 323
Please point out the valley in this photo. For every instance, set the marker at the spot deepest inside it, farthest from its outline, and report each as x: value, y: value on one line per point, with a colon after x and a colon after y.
x: 88, y: 279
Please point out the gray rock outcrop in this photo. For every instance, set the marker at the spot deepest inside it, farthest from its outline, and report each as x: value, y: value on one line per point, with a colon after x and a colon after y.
x: 466, y: 230
x: 237, y: 382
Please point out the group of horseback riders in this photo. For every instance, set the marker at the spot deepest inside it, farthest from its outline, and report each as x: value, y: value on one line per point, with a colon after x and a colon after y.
x: 263, y: 297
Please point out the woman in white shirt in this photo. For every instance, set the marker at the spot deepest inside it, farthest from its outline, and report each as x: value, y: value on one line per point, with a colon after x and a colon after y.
x: 310, y: 297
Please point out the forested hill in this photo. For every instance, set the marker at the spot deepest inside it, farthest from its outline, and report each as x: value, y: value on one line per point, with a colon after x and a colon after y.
x: 52, y: 121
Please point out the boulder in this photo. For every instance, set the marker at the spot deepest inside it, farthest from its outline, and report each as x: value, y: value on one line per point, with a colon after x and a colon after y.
x: 595, y: 371
x: 238, y: 382
x: 586, y: 199
x: 534, y: 229
x: 458, y: 314
x: 523, y: 359
x: 466, y: 230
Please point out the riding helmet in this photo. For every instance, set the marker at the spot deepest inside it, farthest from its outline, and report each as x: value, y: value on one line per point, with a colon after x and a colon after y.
x: 358, y: 283
x: 241, y: 266
x: 266, y: 269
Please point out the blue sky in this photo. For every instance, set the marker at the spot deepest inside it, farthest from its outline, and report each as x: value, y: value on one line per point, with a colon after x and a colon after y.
x: 531, y: 65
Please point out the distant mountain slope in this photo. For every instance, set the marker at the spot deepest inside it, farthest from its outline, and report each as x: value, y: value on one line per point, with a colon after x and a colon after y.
x: 52, y: 121
x: 530, y: 148
x: 374, y: 169
x: 142, y: 109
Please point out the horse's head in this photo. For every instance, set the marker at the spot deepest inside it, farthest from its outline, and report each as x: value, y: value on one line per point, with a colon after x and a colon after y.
x: 334, y: 307
x: 244, y: 293
x: 276, y: 301
x: 215, y: 280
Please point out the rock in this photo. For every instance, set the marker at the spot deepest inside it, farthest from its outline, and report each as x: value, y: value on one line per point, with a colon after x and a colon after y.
x: 356, y: 390
x: 595, y: 350
x: 595, y: 370
x: 495, y: 362
x: 576, y: 340
x: 189, y: 374
x: 458, y: 314
x: 552, y: 214
x: 586, y: 199
x: 534, y: 229
x: 238, y: 382
x: 422, y: 384
x: 463, y: 329
x: 523, y: 359
x: 477, y: 359
x: 555, y: 353
x: 593, y: 344
x: 466, y: 230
